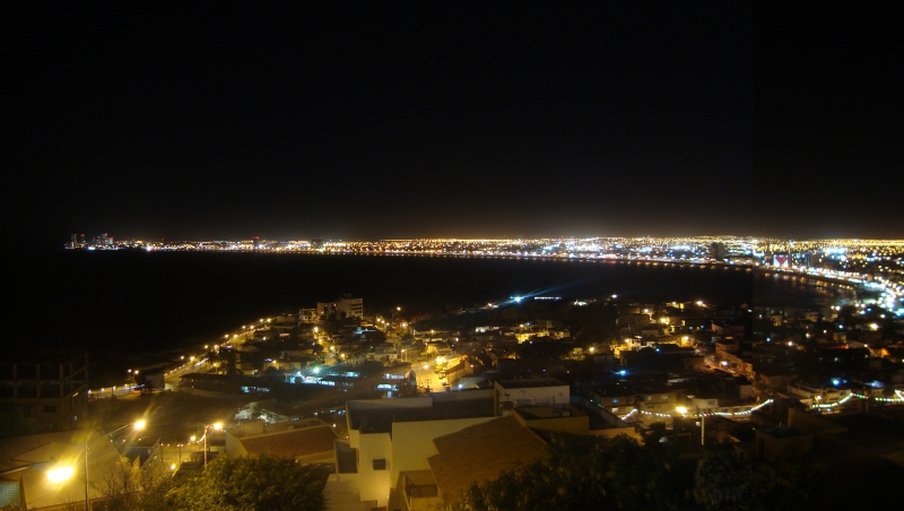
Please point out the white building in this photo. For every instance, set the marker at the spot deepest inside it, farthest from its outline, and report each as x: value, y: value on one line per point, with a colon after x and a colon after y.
x: 345, y: 307
x: 530, y: 392
x: 388, y: 438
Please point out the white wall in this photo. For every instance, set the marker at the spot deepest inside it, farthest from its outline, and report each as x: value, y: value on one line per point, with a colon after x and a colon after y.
x: 534, y: 396
x: 412, y: 442
x: 374, y: 484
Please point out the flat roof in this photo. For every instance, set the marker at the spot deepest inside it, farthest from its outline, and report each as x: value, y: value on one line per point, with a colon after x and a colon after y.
x: 530, y: 382
x: 380, y: 420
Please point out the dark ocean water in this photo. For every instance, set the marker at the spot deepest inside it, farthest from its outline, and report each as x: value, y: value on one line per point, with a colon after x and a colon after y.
x: 141, y: 302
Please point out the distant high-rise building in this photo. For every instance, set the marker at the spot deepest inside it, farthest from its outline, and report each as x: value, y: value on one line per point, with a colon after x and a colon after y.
x: 718, y: 251
x: 103, y: 240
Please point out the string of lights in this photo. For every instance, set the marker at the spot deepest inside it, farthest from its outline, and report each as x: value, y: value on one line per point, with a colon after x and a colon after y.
x: 898, y: 398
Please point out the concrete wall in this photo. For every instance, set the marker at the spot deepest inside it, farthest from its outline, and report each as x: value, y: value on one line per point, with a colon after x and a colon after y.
x: 533, y: 396
x: 234, y: 447
x: 374, y: 484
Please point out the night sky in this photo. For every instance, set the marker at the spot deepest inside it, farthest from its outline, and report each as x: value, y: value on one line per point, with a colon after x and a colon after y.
x: 367, y: 120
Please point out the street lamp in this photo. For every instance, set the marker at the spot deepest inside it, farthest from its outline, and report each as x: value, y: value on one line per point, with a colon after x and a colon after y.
x: 138, y: 425
x: 60, y: 473
x: 56, y: 474
x: 217, y: 426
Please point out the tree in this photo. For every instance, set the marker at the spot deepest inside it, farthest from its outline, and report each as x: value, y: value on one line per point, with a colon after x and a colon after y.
x: 724, y: 481
x: 585, y: 473
x: 121, y: 486
x: 251, y: 484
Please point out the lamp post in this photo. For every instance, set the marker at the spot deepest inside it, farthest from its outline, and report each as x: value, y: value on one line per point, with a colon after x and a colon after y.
x: 137, y: 426
x: 702, y: 430
x: 217, y: 426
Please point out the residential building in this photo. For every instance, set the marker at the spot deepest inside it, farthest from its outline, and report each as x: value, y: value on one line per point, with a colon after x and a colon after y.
x: 530, y: 392
x: 389, y: 437
x: 31, y: 489
x: 345, y: 307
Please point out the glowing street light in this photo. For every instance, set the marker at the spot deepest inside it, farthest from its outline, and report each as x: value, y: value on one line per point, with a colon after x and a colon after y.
x: 59, y: 474
x: 217, y: 426
x: 56, y: 473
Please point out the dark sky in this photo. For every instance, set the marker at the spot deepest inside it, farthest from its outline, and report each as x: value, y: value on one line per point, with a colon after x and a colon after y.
x: 369, y: 120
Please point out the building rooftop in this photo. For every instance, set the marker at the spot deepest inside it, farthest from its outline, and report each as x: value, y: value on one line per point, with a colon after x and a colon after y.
x: 297, y: 443
x: 377, y: 416
x: 529, y: 382
x: 481, y: 453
